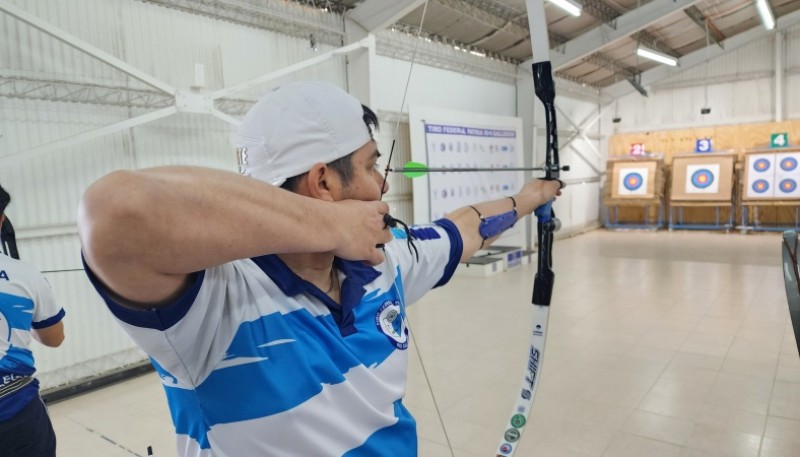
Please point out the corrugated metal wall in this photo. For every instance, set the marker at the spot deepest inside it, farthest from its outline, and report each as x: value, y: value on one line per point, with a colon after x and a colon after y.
x: 165, y: 43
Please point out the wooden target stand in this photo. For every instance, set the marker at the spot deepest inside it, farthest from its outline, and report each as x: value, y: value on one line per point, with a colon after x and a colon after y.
x: 699, y: 183
x: 641, y: 204
x: 785, y: 212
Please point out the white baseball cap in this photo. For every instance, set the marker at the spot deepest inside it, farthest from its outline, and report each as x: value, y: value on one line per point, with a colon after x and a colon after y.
x: 296, y: 126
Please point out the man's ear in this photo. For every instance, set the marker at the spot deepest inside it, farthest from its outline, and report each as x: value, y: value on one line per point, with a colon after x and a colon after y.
x: 321, y: 181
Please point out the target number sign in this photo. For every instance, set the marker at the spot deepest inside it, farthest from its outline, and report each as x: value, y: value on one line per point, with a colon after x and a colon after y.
x: 779, y: 140
x: 637, y: 149
x: 703, y: 145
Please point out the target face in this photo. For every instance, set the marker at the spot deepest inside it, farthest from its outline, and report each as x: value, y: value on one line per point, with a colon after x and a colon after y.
x: 760, y: 186
x: 761, y: 165
x: 787, y: 186
x: 702, y: 178
x: 788, y: 164
x: 633, y: 182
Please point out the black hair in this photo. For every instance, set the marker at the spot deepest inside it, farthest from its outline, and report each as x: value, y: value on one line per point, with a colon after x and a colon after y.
x: 343, y: 165
x: 5, y: 199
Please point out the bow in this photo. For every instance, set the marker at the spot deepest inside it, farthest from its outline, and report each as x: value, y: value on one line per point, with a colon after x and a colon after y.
x: 791, y: 277
x: 546, y: 224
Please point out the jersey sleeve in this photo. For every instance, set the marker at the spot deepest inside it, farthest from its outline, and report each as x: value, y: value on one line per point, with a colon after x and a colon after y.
x: 46, y: 311
x: 190, y: 336
x: 439, y: 245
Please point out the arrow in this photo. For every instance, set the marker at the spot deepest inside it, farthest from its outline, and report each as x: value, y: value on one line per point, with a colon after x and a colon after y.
x: 417, y: 169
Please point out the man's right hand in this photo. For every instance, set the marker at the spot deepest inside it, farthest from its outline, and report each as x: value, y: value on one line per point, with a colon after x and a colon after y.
x: 361, y: 229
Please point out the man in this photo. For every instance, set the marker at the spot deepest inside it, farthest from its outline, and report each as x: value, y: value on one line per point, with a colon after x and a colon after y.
x: 27, y: 308
x: 276, y: 316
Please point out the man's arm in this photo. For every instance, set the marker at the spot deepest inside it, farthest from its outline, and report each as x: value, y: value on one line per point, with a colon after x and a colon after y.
x: 50, y: 336
x: 143, y: 232
x: 533, y: 194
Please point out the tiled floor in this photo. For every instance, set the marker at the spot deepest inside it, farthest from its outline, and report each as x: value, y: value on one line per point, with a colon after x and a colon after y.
x: 659, y: 345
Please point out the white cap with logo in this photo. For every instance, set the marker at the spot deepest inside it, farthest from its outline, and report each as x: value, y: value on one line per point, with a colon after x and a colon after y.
x: 298, y: 125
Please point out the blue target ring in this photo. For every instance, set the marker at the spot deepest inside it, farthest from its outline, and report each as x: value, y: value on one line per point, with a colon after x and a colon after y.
x: 760, y: 186
x: 787, y: 186
x: 788, y: 164
x: 761, y: 165
x: 633, y: 181
x: 702, y: 178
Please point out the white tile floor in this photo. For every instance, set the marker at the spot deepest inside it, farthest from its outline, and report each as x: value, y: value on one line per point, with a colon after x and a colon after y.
x: 660, y: 345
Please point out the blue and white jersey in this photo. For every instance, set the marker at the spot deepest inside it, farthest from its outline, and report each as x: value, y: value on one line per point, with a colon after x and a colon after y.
x: 26, y: 302
x: 256, y: 361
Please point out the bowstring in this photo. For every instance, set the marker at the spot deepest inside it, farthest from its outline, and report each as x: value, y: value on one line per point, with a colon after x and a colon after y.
x: 393, y: 222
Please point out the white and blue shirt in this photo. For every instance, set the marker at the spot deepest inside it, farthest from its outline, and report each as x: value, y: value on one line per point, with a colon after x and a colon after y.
x: 26, y: 302
x: 256, y: 361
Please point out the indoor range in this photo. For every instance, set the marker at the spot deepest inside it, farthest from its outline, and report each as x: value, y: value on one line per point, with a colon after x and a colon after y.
x: 399, y: 228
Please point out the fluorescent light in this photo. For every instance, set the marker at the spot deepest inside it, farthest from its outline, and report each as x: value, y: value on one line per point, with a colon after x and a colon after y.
x: 657, y: 56
x: 766, y: 14
x: 569, y: 6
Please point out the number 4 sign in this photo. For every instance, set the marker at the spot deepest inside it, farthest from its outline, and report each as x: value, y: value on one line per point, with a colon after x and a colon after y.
x: 779, y: 140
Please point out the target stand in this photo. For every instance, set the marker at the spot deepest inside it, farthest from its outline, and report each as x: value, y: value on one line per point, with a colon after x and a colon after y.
x: 770, y: 189
x: 700, y: 184
x: 634, y: 191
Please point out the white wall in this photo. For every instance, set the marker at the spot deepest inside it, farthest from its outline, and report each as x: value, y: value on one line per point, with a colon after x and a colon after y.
x: 437, y: 87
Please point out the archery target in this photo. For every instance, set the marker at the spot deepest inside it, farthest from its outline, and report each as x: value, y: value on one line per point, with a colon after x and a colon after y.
x: 633, y: 181
x: 702, y: 179
x: 773, y: 176
x: 760, y: 176
x: 787, y: 175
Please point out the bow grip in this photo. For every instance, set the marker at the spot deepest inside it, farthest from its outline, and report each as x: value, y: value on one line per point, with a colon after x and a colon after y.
x: 545, y: 212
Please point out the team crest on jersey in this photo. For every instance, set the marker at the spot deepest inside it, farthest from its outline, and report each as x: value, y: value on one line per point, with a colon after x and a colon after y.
x: 392, y: 323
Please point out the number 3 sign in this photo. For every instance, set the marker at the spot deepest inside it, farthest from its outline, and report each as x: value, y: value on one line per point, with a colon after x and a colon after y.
x: 703, y: 145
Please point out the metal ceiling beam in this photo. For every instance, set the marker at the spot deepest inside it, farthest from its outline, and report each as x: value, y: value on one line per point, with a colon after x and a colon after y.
x: 281, y: 17
x: 499, y: 17
x: 627, y: 24
x: 601, y: 10
x: 651, y: 41
x: 713, y: 32
x: 469, y: 8
x: 376, y: 15
x: 603, y: 60
x: 700, y: 56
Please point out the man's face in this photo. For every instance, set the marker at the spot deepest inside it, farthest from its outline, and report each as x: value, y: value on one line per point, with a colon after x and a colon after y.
x: 367, y: 178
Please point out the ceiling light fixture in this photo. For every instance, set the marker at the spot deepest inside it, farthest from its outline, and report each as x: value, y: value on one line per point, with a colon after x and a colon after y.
x: 657, y: 56
x: 569, y: 6
x: 767, y: 18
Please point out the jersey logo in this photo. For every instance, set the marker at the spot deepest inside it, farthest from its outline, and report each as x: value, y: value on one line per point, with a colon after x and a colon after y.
x: 392, y: 323
x: 4, y: 275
